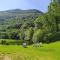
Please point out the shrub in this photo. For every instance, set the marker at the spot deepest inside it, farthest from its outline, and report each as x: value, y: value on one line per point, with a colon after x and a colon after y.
x: 52, y: 37
x: 3, y: 42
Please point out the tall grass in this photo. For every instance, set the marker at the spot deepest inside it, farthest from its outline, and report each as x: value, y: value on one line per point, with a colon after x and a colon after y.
x: 46, y: 52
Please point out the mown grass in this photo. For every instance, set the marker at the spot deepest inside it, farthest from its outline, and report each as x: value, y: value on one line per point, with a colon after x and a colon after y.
x: 46, y: 52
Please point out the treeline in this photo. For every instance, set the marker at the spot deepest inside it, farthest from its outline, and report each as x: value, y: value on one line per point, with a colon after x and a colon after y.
x: 46, y: 28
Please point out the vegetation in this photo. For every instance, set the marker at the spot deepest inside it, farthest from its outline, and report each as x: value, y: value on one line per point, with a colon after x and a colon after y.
x: 29, y: 28
x: 47, y: 52
x: 31, y: 25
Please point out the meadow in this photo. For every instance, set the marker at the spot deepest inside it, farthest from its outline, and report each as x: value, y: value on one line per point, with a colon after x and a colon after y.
x: 17, y: 52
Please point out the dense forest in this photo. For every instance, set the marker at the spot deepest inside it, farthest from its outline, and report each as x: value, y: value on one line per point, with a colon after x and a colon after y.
x: 31, y: 25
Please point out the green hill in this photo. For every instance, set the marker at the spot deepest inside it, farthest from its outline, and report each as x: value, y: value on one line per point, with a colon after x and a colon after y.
x: 17, y: 16
x: 22, y: 14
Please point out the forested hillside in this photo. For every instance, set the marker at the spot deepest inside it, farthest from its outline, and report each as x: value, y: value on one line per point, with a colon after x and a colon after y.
x: 31, y: 25
x: 17, y: 16
x: 21, y: 14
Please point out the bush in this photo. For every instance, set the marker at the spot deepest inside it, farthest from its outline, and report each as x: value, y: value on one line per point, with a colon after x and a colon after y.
x: 13, y: 42
x: 3, y: 42
x: 52, y: 37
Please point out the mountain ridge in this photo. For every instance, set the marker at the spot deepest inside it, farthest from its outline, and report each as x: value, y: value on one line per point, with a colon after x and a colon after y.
x: 8, y: 14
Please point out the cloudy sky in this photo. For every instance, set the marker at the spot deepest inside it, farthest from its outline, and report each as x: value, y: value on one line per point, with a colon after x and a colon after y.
x: 41, y: 5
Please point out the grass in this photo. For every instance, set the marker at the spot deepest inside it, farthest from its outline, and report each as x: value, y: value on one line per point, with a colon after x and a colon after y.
x: 46, y: 52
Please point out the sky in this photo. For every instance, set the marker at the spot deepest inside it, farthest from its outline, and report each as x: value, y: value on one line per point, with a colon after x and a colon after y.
x: 41, y: 5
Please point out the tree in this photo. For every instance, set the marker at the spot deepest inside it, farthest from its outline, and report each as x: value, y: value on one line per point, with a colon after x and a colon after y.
x: 29, y: 34
x: 37, y: 36
x: 54, y: 11
x: 15, y: 35
x: 4, y: 35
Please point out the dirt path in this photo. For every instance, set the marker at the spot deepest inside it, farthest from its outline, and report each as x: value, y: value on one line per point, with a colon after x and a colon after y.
x: 5, y: 57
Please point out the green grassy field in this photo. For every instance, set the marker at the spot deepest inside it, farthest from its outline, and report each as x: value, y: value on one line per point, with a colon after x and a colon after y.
x: 46, y: 52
